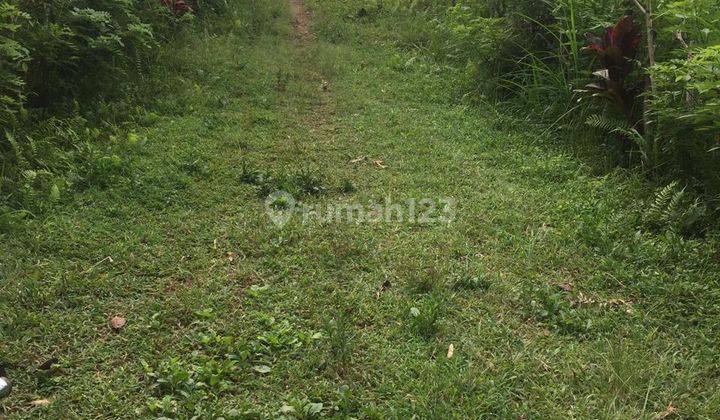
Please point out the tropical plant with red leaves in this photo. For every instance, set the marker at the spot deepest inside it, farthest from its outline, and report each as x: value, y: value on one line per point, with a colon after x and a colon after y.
x: 178, y: 7
x: 617, y: 47
x: 616, y: 51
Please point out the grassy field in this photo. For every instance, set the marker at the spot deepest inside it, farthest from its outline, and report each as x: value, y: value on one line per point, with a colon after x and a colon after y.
x: 557, y: 298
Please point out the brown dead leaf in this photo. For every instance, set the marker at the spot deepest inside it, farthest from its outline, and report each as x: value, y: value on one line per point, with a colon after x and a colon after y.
x: 358, y: 159
x: 618, y: 302
x: 41, y: 403
x: 670, y: 410
x: 383, y: 287
x: 566, y: 287
x: 48, y: 364
x: 451, y: 351
x: 380, y: 164
x: 117, y: 323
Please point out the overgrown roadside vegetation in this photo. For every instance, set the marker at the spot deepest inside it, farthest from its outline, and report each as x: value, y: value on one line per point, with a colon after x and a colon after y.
x: 76, y: 78
x: 563, y: 292
x: 625, y: 83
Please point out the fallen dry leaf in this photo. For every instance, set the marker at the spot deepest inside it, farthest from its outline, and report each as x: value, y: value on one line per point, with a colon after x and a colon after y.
x: 670, y: 410
x: 358, y: 159
x: 583, y: 300
x: 379, y: 164
x: 451, y: 351
x: 383, y: 287
x: 565, y: 287
x: 49, y: 363
x: 108, y: 259
x: 41, y: 403
x: 117, y: 323
x: 618, y: 302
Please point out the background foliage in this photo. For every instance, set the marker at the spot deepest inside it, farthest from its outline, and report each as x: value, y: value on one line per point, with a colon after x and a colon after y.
x: 73, y: 72
x: 72, y: 75
x: 534, y: 55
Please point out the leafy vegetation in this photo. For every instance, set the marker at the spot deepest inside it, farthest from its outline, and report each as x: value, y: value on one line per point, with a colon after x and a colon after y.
x: 616, y: 51
x: 73, y: 74
x: 661, y: 93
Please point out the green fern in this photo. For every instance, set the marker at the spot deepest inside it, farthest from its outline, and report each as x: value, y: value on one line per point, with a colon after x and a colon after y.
x: 648, y: 153
x: 673, y: 210
x: 17, y: 151
x: 606, y: 124
x: 665, y: 202
x: 32, y: 149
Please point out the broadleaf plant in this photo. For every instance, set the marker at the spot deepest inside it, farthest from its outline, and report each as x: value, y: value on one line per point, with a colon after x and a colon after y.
x: 616, y: 51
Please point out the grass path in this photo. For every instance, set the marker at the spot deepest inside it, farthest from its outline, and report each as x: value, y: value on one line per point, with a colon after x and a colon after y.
x: 555, y: 300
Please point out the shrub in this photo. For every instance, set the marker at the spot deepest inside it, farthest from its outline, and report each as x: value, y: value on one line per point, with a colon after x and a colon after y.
x: 67, y: 67
x: 13, y: 61
x: 616, y: 52
x: 689, y: 90
x: 82, y: 50
x: 529, y: 55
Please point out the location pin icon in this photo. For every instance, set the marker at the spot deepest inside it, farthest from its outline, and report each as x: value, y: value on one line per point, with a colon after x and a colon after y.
x: 280, y: 207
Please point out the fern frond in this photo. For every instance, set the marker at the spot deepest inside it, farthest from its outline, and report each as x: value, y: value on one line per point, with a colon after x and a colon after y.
x: 17, y: 150
x: 674, y: 206
x: 673, y: 210
x: 609, y: 125
x: 659, y: 205
x: 32, y: 148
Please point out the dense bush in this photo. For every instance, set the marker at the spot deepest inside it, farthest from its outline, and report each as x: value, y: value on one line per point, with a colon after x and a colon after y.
x: 70, y: 72
x: 546, y: 56
x: 14, y: 58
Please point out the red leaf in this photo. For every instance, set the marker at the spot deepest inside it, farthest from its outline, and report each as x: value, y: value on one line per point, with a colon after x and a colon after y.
x: 179, y: 7
x: 618, y: 46
x: 565, y: 287
x: 626, y: 37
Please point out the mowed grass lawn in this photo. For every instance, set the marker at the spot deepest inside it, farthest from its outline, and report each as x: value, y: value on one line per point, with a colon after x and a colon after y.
x: 557, y: 300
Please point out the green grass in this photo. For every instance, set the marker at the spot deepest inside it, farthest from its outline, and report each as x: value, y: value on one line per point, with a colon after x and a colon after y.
x: 229, y: 315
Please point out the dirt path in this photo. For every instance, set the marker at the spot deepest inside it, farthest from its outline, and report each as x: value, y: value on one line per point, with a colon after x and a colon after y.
x: 301, y: 20
x: 316, y: 117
